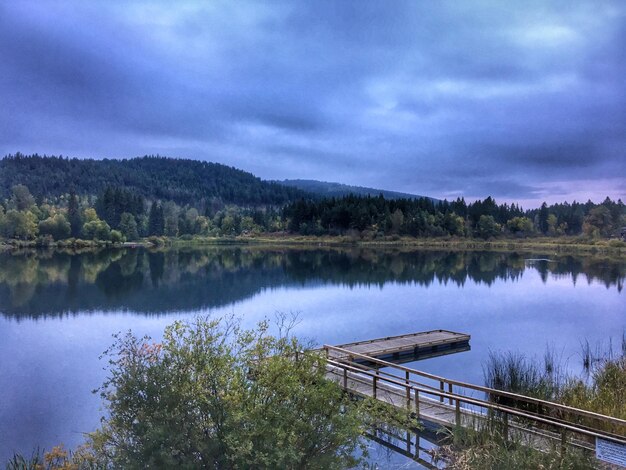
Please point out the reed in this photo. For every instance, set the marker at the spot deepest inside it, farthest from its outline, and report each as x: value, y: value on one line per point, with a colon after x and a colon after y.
x: 487, y: 447
x: 19, y: 462
x: 516, y: 373
x: 600, y: 388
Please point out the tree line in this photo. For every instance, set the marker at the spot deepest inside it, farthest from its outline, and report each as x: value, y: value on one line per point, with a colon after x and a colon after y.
x: 373, y: 217
x: 116, y: 200
x: 119, y: 214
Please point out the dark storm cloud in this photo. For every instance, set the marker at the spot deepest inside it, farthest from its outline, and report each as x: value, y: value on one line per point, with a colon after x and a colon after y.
x: 439, y: 98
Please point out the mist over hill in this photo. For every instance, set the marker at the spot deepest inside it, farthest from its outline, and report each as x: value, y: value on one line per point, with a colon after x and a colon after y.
x: 327, y: 189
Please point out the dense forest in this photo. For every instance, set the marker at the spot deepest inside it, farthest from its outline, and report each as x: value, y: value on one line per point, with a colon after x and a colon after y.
x: 47, y: 199
x: 377, y: 216
x: 169, y: 179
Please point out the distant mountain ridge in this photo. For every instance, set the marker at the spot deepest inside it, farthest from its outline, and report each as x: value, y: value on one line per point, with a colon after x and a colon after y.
x: 153, y: 177
x: 327, y: 189
x: 184, y: 181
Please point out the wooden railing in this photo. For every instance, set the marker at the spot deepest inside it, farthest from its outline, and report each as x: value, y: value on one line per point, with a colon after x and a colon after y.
x: 517, y: 410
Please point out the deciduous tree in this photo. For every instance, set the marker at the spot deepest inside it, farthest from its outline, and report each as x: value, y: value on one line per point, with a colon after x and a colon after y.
x: 214, y: 396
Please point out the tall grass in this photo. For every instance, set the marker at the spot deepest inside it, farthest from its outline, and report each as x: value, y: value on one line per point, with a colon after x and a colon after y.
x: 490, y: 448
x: 606, y: 394
x: 19, y: 462
x: 592, y: 356
x: 601, y: 387
x: 516, y: 373
x: 83, y: 458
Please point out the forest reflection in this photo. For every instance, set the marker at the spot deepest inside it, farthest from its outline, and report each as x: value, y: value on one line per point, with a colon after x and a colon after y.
x: 40, y: 284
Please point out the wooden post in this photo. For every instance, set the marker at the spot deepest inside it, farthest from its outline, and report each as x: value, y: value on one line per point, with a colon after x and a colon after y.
x: 408, y: 441
x: 457, y: 413
x: 505, y: 430
x: 563, y: 444
x: 417, y: 403
x: 374, y: 385
x: 408, y: 392
x: 345, y: 378
x: 450, y: 392
x: 441, y: 388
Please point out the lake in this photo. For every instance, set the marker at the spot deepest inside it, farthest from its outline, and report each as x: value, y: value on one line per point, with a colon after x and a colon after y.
x: 59, y: 310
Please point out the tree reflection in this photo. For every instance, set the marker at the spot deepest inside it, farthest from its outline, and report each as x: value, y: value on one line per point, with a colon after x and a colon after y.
x: 155, y: 282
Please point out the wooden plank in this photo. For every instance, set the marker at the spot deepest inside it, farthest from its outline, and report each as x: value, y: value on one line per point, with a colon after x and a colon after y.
x: 408, y: 343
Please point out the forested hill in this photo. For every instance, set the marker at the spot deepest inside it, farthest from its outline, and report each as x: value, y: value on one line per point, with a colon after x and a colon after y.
x: 182, y: 181
x: 325, y: 189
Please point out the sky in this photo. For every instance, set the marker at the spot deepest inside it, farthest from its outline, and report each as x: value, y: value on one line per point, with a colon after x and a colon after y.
x: 522, y: 101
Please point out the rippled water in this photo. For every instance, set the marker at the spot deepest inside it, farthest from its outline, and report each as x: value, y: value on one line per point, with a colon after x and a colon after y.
x: 58, y: 312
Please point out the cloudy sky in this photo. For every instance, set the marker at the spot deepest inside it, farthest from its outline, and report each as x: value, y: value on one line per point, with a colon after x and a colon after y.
x: 524, y: 101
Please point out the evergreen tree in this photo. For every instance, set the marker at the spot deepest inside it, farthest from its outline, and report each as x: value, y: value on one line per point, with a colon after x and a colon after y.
x: 156, y: 221
x: 542, y: 220
x: 128, y: 226
x: 22, y: 199
x: 73, y: 215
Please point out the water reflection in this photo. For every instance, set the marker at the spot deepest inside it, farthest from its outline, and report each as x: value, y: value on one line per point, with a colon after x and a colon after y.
x: 54, y: 283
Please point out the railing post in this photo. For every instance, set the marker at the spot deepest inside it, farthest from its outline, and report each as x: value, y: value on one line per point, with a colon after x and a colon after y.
x: 374, y: 385
x: 417, y: 403
x: 563, y: 444
x: 408, y: 392
x: 408, y: 441
x: 450, y: 391
x: 441, y: 388
x: 505, y: 431
x: 457, y: 412
x: 345, y: 378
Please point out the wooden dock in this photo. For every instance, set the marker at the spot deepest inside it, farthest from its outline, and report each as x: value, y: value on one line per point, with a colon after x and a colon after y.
x: 415, y: 346
x: 445, y: 402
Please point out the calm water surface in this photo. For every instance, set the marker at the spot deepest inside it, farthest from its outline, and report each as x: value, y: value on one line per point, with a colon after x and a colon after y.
x: 58, y: 312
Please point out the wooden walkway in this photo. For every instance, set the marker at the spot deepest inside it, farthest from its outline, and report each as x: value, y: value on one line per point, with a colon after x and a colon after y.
x: 427, y: 343
x: 450, y: 403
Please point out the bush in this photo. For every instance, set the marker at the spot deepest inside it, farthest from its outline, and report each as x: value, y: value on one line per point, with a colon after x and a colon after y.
x: 57, y: 227
x: 213, y: 395
x: 117, y: 237
x: 97, y: 230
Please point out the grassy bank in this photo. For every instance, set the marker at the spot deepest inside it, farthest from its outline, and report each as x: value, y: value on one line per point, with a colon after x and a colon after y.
x: 601, y: 388
x: 557, y: 246
x: 561, y: 245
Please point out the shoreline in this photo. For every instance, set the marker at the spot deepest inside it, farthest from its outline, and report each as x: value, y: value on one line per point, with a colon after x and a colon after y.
x: 557, y: 246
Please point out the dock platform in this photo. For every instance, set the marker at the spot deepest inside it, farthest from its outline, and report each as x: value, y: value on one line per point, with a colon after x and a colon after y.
x: 414, y: 345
